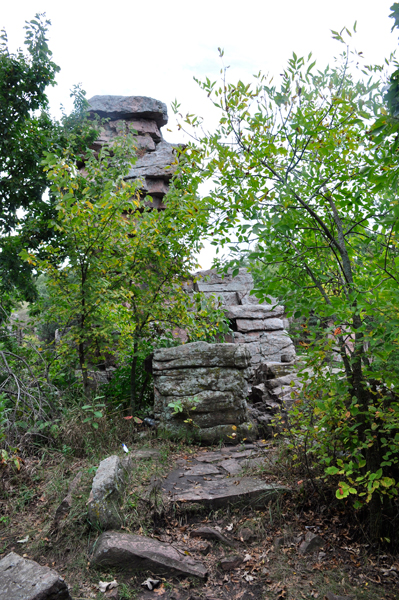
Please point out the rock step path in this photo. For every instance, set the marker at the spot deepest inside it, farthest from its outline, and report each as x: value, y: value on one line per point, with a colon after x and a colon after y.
x: 219, y: 478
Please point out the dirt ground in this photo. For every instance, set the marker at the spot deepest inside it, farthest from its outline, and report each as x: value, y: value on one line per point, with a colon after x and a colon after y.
x: 266, y: 541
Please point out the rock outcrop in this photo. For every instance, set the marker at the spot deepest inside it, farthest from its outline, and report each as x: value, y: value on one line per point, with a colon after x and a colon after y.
x: 143, y: 117
x: 261, y: 330
x: 206, y: 384
x: 260, y: 327
x: 23, y: 579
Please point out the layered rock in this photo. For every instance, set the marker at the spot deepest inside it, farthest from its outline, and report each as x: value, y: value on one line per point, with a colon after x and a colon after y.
x: 260, y: 327
x: 206, y: 384
x: 143, y: 117
x: 261, y: 330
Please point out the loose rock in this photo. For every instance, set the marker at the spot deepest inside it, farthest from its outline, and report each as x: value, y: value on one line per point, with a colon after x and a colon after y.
x: 23, y: 579
x: 312, y: 543
x: 106, y: 493
x: 209, y: 533
x: 134, y: 552
x: 246, y: 534
x: 230, y: 563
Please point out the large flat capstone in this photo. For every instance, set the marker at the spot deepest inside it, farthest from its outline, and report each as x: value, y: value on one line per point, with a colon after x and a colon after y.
x: 135, y: 552
x: 129, y: 107
x: 23, y: 579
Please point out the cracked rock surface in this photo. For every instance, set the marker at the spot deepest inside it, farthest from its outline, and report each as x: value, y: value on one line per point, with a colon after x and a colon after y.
x: 216, y: 479
x: 23, y: 579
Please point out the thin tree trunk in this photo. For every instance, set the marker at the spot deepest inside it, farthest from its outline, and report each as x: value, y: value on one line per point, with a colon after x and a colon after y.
x: 133, y: 377
x: 83, y: 367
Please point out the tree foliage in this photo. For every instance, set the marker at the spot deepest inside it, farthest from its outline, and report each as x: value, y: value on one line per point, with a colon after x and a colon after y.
x: 25, y: 131
x: 117, y: 281
x: 295, y: 169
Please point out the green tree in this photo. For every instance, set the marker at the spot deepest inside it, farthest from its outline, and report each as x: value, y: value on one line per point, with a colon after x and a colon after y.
x: 294, y: 169
x: 122, y: 282
x: 25, y: 130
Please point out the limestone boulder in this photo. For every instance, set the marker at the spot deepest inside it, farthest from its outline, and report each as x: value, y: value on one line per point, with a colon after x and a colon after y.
x: 23, y: 579
x: 136, y: 553
x: 106, y: 494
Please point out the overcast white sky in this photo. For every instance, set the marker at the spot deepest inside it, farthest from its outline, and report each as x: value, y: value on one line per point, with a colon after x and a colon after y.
x: 155, y: 48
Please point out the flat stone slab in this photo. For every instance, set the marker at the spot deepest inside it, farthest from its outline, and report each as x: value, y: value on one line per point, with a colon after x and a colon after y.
x: 232, y: 466
x: 129, y: 107
x: 254, y: 311
x: 218, y: 478
x: 200, y: 354
x: 135, y: 552
x: 23, y: 579
x: 201, y: 469
x: 229, y: 491
x: 210, y: 457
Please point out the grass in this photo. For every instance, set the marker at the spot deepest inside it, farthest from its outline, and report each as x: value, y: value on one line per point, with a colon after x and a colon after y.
x: 29, y: 499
